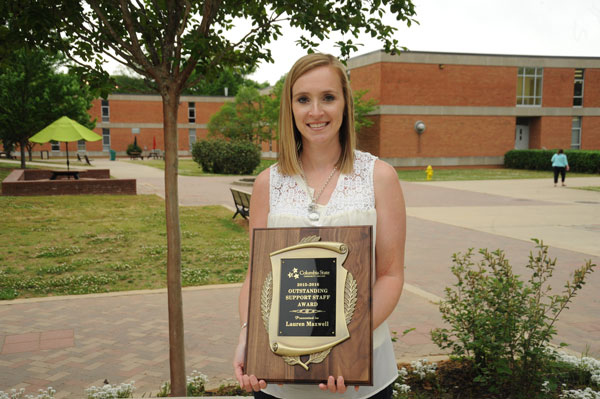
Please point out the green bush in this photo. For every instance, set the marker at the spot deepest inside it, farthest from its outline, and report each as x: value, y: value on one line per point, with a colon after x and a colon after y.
x: 133, y: 148
x: 226, y: 157
x: 579, y: 160
x: 503, y: 323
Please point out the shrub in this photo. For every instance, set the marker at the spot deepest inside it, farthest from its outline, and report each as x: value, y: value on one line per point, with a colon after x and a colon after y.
x: 502, y: 323
x: 134, y: 147
x: 227, y: 157
x: 579, y: 161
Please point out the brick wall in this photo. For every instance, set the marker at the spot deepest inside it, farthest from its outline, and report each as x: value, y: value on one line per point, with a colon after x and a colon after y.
x: 556, y: 132
x: 368, y: 137
x: 535, y: 133
x: 144, y: 112
x: 449, y: 85
x: 590, y: 133
x: 19, y: 183
x: 446, y: 136
x: 367, y: 78
x: 558, y: 87
x: 591, y: 88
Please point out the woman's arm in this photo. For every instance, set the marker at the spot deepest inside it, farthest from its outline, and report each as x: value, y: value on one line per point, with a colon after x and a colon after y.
x: 259, y: 209
x: 391, y: 236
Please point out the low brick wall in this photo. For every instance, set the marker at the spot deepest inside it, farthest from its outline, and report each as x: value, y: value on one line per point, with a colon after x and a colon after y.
x: 36, y: 182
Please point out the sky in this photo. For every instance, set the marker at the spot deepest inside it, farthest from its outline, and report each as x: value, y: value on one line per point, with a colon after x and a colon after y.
x: 520, y: 27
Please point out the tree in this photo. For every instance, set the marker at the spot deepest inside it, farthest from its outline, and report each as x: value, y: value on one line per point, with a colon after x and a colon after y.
x: 229, y: 78
x: 255, y: 117
x: 243, y: 119
x: 362, y: 108
x: 177, y: 43
x: 33, y: 95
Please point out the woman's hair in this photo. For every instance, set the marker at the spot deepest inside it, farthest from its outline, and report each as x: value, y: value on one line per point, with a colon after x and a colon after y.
x: 560, y: 151
x: 290, y: 139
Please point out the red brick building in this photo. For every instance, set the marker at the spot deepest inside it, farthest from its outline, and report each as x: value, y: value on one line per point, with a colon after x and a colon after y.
x: 124, y: 117
x: 474, y: 107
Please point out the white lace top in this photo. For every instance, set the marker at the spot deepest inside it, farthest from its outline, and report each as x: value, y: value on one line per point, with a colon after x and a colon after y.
x: 352, y: 203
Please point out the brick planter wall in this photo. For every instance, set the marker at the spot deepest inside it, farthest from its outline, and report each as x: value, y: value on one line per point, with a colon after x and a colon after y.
x: 34, y: 182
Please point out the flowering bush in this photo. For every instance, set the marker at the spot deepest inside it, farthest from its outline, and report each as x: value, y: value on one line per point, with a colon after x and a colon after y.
x: 20, y: 394
x: 501, y: 322
x: 109, y: 391
x: 195, y: 384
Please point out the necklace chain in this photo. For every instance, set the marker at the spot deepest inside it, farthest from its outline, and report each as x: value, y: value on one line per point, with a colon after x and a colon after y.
x: 312, y: 208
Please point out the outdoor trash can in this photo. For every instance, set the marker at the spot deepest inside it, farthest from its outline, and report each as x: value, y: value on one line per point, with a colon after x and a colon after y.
x: 113, y: 155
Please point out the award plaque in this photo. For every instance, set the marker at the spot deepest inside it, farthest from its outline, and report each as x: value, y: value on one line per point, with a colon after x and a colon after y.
x: 309, y: 313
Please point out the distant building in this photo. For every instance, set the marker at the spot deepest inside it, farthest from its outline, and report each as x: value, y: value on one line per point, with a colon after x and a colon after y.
x: 470, y: 109
x: 475, y: 107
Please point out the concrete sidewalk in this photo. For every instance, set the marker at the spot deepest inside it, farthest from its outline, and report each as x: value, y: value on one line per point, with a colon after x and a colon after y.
x: 74, y: 342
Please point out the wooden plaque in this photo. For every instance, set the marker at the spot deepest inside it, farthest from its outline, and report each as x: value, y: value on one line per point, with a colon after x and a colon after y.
x: 350, y: 356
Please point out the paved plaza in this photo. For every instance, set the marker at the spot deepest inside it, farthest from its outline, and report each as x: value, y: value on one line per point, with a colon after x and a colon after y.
x: 73, y: 342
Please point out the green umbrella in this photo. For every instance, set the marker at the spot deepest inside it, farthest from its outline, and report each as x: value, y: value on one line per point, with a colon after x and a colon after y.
x: 65, y: 129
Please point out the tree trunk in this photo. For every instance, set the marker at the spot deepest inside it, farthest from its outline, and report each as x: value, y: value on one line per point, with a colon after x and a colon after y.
x: 22, y: 148
x: 175, y: 304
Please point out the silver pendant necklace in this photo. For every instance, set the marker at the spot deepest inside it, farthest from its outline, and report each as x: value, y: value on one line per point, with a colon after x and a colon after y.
x: 313, y: 215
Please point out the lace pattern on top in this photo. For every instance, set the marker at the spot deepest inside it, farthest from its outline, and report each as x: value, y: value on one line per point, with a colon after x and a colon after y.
x: 353, y: 192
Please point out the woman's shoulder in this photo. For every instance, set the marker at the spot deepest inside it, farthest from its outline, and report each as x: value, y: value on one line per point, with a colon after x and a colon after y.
x: 262, y: 180
x: 384, y: 172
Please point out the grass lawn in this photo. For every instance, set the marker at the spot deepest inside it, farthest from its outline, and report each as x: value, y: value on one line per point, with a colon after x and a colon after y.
x: 187, y: 167
x: 479, y: 174
x: 59, y: 245
x: 588, y: 188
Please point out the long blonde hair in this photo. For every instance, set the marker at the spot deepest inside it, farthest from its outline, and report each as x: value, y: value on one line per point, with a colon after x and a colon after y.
x: 290, y: 139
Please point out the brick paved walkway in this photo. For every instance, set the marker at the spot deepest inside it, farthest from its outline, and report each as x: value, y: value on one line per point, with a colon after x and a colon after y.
x: 71, y: 343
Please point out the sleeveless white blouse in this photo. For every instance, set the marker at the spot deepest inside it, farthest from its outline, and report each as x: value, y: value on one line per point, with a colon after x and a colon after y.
x: 352, y: 203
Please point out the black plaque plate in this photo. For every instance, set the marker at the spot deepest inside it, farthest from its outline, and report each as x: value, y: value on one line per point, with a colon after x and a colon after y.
x: 307, y: 303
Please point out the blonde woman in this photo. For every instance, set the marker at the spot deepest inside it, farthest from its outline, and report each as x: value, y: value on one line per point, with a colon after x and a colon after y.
x: 322, y: 180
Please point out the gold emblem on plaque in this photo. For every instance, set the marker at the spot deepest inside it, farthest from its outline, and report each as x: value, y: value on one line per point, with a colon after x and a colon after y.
x: 291, y: 348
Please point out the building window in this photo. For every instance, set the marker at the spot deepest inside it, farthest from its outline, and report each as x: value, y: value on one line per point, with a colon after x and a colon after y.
x: 55, y: 145
x: 578, y: 92
x: 81, y: 145
x: 529, y: 86
x: 105, y: 111
x: 192, y: 136
x: 105, y: 139
x: 191, y: 112
x: 576, y: 133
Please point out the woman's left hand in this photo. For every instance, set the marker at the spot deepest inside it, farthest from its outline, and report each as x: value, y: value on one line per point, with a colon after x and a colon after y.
x: 334, y: 386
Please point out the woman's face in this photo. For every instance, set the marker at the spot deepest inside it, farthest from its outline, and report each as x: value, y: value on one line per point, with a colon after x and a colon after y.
x: 318, y: 105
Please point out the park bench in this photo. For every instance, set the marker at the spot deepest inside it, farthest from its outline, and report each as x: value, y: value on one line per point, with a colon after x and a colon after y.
x: 242, y: 203
x: 87, y: 160
x: 134, y: 155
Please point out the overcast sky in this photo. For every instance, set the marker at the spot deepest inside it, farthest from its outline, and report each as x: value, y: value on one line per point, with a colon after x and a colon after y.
x: 525, y: 27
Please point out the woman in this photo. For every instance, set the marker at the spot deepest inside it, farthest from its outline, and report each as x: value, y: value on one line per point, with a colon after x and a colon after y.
x: 560, y: 164
x: 321, y: 180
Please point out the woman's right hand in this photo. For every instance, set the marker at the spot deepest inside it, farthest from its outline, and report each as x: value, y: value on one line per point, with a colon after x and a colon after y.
x: 247, y: 382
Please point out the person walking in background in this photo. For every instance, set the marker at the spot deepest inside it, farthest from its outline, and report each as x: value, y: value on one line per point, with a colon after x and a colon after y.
x: 560, y: 164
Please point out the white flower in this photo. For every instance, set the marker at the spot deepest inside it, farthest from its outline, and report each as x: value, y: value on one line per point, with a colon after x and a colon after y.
x: 587, y: 393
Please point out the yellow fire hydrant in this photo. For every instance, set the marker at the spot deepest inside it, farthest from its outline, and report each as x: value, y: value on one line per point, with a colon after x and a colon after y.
x: 429, y: 172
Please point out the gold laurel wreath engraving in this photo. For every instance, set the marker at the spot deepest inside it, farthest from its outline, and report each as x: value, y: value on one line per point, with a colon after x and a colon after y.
x: 310, y: 239
x: 350, y: 297
x: 265, y: 299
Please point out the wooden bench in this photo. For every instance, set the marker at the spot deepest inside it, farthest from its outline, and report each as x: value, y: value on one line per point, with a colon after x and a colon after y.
x: 134, y: 155
x: 242, y: 203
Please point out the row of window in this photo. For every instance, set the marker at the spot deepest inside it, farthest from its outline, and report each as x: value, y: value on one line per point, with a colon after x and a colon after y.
x: 530, y: 82
x: 105, y: 111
